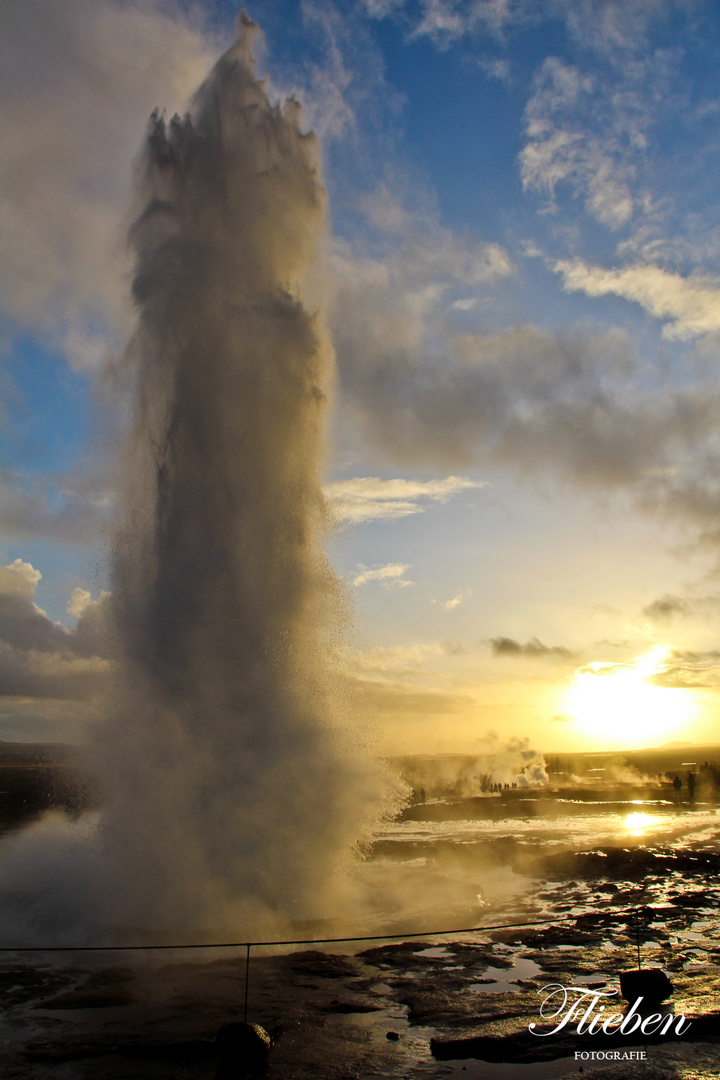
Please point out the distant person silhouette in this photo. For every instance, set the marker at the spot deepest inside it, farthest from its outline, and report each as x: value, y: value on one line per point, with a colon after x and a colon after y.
x: 677, y: 784
x: 422, y: 794
x: 691, y: 784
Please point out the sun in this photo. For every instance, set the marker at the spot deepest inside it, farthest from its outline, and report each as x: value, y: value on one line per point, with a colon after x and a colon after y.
x: 618, y: 704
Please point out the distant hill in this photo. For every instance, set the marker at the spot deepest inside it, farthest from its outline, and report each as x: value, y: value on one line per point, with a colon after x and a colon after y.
x: 18, y: 753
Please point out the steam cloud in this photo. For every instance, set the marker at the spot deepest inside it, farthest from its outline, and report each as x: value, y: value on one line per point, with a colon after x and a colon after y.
x: 460, y: 776
x: 235, y: 786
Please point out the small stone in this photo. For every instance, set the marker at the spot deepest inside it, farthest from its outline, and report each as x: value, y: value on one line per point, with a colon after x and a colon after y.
x: 393, y: 1036
x: 651, y: 984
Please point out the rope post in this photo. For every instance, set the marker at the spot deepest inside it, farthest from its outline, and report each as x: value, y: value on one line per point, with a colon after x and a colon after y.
x: 247, y: 978
x: 637, y: 935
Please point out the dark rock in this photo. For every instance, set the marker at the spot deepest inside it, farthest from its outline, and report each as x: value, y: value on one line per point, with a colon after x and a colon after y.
x: 348, y: 1007
x: 242, y: 1050
x: 323, y: 965
x: 392, y: 1036
x: 650, y: 984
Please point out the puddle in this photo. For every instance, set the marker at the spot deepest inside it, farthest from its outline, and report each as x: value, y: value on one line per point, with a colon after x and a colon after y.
x: 485, y: 1070
x: 507, y: 978
x: 588, y: 980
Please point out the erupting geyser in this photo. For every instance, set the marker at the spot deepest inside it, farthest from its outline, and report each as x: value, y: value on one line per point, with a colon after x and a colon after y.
x: 235, y: 785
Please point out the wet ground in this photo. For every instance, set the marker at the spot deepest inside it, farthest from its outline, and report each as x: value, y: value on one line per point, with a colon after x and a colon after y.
x: 374, y: 1014
x: 456, y: 1006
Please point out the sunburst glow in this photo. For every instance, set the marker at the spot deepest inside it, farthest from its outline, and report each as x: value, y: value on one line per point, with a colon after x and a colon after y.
x: 618, y: 702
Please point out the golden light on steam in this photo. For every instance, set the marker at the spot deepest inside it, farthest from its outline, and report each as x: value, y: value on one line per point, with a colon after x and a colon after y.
x: 618, y: 704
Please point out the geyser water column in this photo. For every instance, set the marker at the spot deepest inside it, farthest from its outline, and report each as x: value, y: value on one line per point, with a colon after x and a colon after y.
x: 235, y: 785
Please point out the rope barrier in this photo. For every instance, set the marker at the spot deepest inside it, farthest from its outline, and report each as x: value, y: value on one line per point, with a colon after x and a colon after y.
x: 264, y: 944
x: 248, y: 945
x: 632, y: 913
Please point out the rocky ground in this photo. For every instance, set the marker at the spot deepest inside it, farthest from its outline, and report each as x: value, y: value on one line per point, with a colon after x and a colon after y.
x: 401, y: 1009
x: 456, y: 1006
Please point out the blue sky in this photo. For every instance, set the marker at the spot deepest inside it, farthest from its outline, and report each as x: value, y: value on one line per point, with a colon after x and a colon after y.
x: 521, y: 279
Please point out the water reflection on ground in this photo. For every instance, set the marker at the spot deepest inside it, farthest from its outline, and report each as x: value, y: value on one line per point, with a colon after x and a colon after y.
x: 589, y: 867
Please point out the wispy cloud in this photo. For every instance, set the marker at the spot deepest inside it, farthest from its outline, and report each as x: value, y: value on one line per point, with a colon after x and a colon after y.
x: 391, y: 574
x: 610, y: 27
x: 367, y: 498
x: 495, y: 68
x: 450, y: 605
x: 399, y: 661
x: 569, y: 140
x: 690, y: 670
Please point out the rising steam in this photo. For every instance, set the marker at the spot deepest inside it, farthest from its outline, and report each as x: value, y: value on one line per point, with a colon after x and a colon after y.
x: 234, y: 786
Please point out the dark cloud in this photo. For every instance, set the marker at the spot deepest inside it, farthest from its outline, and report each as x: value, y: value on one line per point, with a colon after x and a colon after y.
x: 523, y: 397
x: 65, y: 509
x: 26, y: 628
x: 690, y: 656
x: 63, y: 679
x: 666, y: 608
x: 570, y: 407
x: 503, y: 646
x: 40, y: 658
x: 679, y: 678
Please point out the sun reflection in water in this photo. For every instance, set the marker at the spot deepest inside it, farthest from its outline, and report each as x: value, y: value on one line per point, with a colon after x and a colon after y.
x: 637, y: 823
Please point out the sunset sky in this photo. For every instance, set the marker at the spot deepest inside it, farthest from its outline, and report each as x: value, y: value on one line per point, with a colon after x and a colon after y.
x: 522, y: 280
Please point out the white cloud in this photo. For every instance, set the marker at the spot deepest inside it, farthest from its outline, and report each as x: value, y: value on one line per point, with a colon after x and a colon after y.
x: 19, y: 579
x: 367, y: 498
x: 450, y: 605
x: 440, y: 21
x: 690, y: 305
x: 392, y: 573
x: 78, y: 602
x: 495, y: 68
